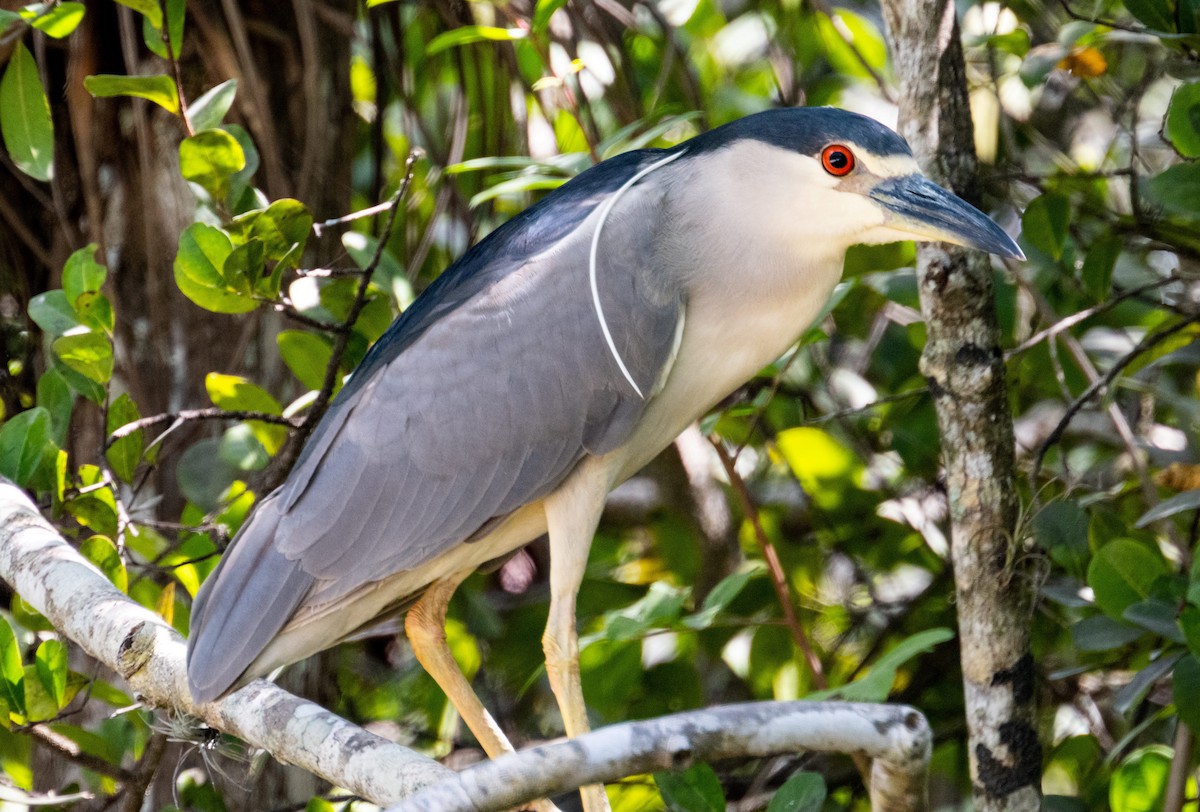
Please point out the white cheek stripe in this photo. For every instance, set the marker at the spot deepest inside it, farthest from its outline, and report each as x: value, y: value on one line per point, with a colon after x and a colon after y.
x: 605, y: 209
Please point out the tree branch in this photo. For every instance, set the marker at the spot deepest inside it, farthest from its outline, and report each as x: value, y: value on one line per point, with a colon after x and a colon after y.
x: 140, y: 646
x: 964, y: 367
x: 897, y: 737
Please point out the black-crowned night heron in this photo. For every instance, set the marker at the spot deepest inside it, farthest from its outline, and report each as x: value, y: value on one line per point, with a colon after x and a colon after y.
x: 551, y: 362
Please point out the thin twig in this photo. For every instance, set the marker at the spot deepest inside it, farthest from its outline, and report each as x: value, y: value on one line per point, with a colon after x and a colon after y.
x: 1148, y: 342
x: 69, y: 750
x: 189, y: 415
x: 135, y: 789
x: 360, y: 300
x: 778, y: 578
x: 1083, y: 315
x: 176, y: 73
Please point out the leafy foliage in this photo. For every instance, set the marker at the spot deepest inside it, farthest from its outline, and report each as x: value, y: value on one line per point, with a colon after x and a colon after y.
x: 222, y: 181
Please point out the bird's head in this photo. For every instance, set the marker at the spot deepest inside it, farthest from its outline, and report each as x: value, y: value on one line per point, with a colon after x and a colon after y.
x: 831, y: 178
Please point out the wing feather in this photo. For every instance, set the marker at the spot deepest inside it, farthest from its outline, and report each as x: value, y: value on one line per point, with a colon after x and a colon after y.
x: 480, y: 399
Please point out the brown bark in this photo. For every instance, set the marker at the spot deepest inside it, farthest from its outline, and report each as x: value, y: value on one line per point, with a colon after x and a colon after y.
x: 964, y: 367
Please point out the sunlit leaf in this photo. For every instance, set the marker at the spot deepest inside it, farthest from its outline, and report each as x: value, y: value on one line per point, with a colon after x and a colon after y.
x: 12, y: 673
x: 210, y: 158
x: 158, y: 88
x: 103, y: 553
x: 60, y: 19
x: 82, y: 273
x: 1140, y: 782
x: 468, y: 34
x: 200, y: 270
x: 234, y: 393
x: 89, y: 354
x: 149, y: 8
x: 25, y: 116
x: 50, y: 662
x: 306, y: 355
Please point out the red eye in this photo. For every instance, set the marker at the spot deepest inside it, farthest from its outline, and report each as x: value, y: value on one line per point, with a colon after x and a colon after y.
x: 837, y: 160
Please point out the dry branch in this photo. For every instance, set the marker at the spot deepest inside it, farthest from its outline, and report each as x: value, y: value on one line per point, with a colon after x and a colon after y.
x: 964, y: 367
x: 895, y: 736
x: 149, y: 655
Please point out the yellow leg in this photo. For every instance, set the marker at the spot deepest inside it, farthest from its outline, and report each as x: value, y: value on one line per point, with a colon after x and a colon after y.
x: 425, y: 625
x: 572, y: 514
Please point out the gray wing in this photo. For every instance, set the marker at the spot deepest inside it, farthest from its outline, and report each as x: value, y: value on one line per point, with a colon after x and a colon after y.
x: 487, y: 410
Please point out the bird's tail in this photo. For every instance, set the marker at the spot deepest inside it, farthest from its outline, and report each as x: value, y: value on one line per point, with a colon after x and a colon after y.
x: 242, y: 606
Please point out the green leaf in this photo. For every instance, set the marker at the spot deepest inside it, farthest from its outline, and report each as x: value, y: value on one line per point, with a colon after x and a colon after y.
x: 468, y: 34
x: 1182, y: 126
x: 242, y: 450
x: 104, y: 554
x: 152, y: 34
x: 544, y: 11
x: 200, y: 270
x: 1185, y: 688
x: 59, y: 20
x: 306, y: 355
x: 82, y: 273
x: 208, y: 111
x: 660, y: 606
x: 1140, y: 783
x: 89, y: 354
x: 1157, y: 14
x: 1044, y: 224
x: 803, y: 792
x: 236, y: 394
x: 1061, y: 528
x: 720, y: 597
x: 95, y: 311
x: 1155, y: 615
x: 1121, y: 574
x: 389, y: 273
x: 243, y: 267
x: 53, y: 313
x: 124, y: 454
x: 56, y: 397
x: 1098, y: 265
x: 1102, y: 633
x: 148, y: 8
x: 23, y: 444
x: 210, y: 158
x: 696, y: 789
x: 25, y: 116
x: 1180, y: 502
x: 825, y: 468
x: 50, y: 662
x: 12, y: 673
x: 282, y: 226
x: 1189, y: 624
x: 1176, y: 189
x: 157, y: 88
x: 877, y: 684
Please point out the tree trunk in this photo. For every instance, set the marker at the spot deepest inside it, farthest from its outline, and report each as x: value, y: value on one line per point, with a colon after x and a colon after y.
x: 964, y: 367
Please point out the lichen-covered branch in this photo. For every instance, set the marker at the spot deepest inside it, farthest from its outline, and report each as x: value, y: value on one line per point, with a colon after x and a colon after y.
x: 149, y: 656
x: 964, y: 366
x: 896, y: 737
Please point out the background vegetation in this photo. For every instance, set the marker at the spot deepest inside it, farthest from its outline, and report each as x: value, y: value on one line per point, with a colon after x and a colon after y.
x: 162, y: 171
